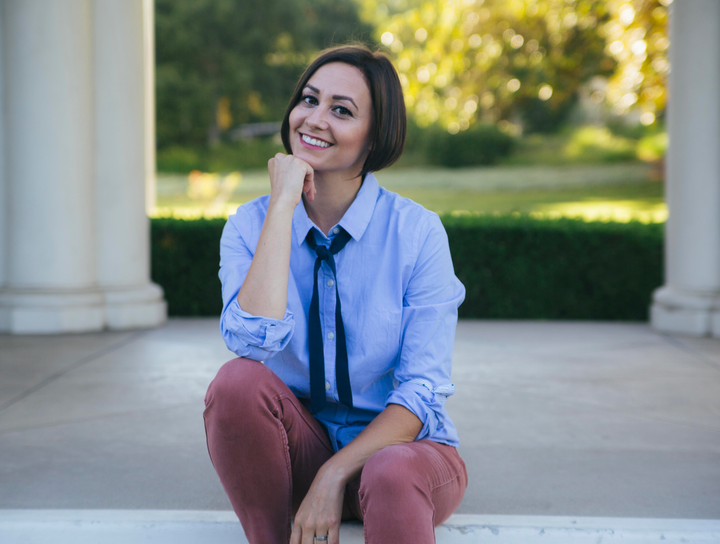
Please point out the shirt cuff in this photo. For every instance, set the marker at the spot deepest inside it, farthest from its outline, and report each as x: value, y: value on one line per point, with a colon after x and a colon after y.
x: 256, y: 335
x: 427, y: 404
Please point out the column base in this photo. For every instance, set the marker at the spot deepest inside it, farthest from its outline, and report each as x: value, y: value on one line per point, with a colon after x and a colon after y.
x: 683, y: 313
x: 58, y: 311
x: 51, y: 311
x: 136, y: 307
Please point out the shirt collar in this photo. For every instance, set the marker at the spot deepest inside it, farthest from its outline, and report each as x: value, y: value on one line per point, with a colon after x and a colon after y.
x: 356, y: 218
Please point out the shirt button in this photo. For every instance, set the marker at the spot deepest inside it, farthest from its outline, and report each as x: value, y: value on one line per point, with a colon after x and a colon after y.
x: 336, y: 230
x: 331, y: 283
x: 331, y: 335
x: 327, y: 386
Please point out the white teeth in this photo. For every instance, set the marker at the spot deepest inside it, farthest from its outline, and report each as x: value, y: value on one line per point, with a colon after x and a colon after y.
x: 313, y: 141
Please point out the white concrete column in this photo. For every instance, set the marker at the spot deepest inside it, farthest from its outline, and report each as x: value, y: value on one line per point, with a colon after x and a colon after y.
x: 124, y: 160
x: 149, y: 62
x: 48, y: 88
x: 689, y: 302
x: 3, y: 185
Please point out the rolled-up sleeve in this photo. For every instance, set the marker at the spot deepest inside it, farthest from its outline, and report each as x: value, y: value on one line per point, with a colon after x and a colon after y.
x: 432, y: 297
x: 254, y: 337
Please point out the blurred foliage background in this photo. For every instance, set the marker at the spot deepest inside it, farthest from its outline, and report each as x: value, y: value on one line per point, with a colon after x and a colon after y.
x: 525, y: 61
x: 503, y: 83
x: 220, y: 63
x: 536, y: 128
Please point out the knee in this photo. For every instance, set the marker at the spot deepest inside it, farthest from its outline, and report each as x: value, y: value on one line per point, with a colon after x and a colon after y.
x: 391, y: 472
x: 237, y: 388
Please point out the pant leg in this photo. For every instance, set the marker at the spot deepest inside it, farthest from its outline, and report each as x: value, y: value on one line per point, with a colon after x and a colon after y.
x: 407, y: 490
x: 265, y: 446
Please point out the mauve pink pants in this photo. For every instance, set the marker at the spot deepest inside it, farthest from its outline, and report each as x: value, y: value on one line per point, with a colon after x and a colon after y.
x: 266, y: 448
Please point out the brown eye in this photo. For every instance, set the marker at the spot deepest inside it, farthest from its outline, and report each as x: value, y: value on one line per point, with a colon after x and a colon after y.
x: 342, y: 110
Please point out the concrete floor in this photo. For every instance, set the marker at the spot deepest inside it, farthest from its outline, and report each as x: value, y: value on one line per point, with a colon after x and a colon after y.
x: 555, y: 419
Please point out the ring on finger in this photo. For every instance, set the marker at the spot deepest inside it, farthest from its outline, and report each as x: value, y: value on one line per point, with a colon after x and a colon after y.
x: 321, y: 538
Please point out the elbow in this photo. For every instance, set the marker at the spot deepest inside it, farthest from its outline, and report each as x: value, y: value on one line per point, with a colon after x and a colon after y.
x: 409, y: 425
x: 253, y: 346
x: 419, y: 402
x: 234, y: 344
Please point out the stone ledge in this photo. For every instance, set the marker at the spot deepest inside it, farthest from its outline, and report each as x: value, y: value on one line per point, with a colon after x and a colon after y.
x: 187, y: 526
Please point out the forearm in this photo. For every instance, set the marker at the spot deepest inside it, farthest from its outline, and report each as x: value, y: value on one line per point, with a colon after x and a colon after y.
x: 394, y: 425
x: 264, y: 291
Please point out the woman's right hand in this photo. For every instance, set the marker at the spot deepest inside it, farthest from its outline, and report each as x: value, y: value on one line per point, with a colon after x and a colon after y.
x: 289, y: 178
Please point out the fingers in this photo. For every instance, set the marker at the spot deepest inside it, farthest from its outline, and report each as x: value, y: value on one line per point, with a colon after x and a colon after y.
x: 309, y: 183
x: 309, y: 187
x: 304, y: 532
x: 296, y: 534
x: 334, y: 534
x: 308, y: 536
x: 287, y: 178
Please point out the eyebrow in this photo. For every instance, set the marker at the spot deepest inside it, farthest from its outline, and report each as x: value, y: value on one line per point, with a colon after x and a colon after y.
x: 335, y: 97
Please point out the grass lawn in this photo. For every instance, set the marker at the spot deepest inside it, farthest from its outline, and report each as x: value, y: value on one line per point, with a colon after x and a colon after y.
x: 620, y: 202
x: 619, y: 192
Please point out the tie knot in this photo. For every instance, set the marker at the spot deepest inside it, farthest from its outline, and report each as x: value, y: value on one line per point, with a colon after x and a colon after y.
x: 322, y: 253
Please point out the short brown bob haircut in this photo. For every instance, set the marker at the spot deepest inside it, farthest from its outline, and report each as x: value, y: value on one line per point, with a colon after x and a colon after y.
x: 390, y: 121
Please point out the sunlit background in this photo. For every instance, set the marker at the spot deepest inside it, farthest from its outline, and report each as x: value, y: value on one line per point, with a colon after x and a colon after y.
x: 552, y: 108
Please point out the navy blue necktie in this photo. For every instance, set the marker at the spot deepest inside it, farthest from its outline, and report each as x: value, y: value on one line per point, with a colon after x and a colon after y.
x: 315, y: 335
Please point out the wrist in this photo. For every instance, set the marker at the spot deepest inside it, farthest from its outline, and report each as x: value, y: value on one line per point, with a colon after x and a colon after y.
x: 336, y: 473
x: 281, y: 205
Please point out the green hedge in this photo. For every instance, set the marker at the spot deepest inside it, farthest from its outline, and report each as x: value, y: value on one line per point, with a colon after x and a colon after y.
x: 185, y: 258
x: 519, y: 267
x: 512, y: 267
x: 481, y: 144
x: 435, y: 146
x: 224, y: 157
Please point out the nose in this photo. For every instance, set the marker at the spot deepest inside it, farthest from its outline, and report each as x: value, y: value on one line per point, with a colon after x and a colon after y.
x: 317, y: 119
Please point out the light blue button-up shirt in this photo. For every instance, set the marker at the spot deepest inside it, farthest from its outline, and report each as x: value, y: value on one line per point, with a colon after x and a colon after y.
x: 399, y: 297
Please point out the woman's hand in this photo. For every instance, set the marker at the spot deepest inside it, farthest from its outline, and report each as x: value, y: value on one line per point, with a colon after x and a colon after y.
x: 321, y: 510
x: 289, y: 178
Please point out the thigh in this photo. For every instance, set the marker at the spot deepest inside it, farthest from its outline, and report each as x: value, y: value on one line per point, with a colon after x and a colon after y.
x: 309, y: 446
x: 424, y: 475
x: 263, y: 420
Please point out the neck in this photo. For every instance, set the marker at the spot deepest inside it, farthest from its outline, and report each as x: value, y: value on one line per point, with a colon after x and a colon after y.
x: 335, y: 194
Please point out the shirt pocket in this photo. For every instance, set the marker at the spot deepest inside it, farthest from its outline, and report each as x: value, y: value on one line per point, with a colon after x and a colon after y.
x: 380, y: 337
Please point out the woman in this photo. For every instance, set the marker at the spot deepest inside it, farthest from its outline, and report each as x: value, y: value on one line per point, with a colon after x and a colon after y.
x: 347, y: 293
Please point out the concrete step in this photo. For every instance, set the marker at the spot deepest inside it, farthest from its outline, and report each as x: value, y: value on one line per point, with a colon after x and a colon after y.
x: 219, y: 527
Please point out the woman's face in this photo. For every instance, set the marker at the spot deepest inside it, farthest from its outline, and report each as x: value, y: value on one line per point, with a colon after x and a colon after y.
x: 330, y: 126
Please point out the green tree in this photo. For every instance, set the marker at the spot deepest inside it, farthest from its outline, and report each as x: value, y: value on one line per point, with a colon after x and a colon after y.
x: 224, y: 62
x: 637, y: 38
x: 512, y: 60
x: 523, y: 60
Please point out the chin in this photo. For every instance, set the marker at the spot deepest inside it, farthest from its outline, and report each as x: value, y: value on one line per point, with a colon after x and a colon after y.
x: 302, y: 153
x: 308, y: 158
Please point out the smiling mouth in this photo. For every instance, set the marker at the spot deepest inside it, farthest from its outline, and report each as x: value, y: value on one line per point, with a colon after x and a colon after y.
x: 314, y: 141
